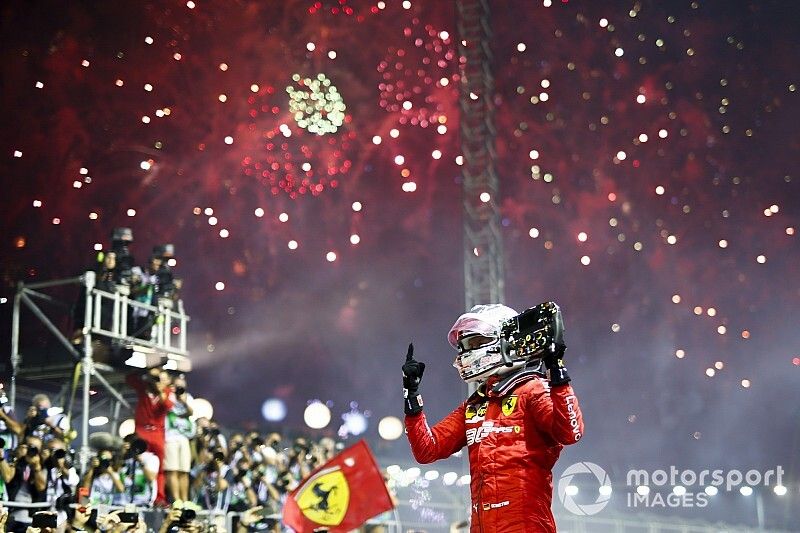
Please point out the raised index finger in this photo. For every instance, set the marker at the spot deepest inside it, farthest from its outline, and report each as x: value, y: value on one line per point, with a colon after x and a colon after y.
x: 410, y: 354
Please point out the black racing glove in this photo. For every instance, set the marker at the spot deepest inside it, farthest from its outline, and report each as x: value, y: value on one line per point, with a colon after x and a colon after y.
x: 412, y: 375
x: 554, y: 362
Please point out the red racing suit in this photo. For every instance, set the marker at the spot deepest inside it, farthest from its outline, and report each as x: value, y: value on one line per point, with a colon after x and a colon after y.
x: 515, y: 429
x: 150, y: 417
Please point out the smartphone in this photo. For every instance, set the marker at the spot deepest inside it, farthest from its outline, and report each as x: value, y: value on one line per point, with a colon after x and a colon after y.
x: 43, y: 520
x: 129, y: 518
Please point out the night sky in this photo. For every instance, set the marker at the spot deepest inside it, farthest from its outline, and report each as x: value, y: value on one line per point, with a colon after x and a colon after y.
x: 648, y: 155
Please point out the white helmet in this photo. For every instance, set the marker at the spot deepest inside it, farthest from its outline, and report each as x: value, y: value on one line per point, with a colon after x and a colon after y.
x: 476, y: 336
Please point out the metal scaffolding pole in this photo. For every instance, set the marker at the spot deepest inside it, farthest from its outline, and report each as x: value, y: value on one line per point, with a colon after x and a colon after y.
x: 15, y: 358
x: 105, y: 317
x: 483, y: 250
x: 87, y: 367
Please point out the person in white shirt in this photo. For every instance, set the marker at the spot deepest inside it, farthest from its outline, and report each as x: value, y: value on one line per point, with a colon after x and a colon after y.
x: 139, y: 472
x: 102, y: 479
x: 62, y: 478
x: 180, y: 429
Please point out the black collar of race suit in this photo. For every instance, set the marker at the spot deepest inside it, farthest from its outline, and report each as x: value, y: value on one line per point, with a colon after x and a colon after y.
x: 509, y: 382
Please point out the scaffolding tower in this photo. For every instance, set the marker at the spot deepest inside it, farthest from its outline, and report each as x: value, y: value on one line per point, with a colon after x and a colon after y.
x: 483, y: 249
x: 105, y: 319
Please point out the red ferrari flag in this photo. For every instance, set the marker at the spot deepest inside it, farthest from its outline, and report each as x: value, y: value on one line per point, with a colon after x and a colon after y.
x: 340, y: 495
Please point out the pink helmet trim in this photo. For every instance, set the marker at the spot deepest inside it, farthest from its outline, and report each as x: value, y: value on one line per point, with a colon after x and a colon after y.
x: 481, y: 319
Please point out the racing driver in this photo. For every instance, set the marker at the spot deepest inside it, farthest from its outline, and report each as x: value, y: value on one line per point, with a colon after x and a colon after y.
x: 514, y: 425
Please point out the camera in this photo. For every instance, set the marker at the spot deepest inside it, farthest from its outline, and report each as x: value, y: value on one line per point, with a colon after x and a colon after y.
x: 44, y: 519
x: 56, y: 456
x: 104, y: 464
x: 121, y: 238
x: 180, y: 391
x: 39, y: 419
x: 138, y: 447
x: 531, y: 333
x: 33, y: 451
x: 187, y: 515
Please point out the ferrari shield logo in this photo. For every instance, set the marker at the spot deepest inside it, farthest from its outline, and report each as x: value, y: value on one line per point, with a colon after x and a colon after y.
x: 482, y: 409
x: 470, y: 412
x: 509, y: 403
x: 324, y: 498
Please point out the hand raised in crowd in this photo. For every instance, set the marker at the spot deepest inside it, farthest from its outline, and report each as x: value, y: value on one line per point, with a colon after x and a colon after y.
x: 173, y: 516
x: 251, y: 516
x: 3, y: 519
x: 108, y: 521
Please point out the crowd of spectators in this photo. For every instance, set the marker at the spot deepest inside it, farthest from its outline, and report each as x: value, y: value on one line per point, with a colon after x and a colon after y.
x: 173, y: 462
x: 177, y: 467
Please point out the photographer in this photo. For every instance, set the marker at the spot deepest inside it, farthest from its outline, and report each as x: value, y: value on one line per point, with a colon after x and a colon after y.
x: 121, y: 239
x: 514, y: 425
x: 182, y: 518
x: 166, y: 284
x: 38, y: 423
x: 242, y: 495
x: 25, y: 477
x: 208, y: 437
x: 62, y: 478
x: 10, y: 429
x: 143, y: 282
x: 153, y: 391
x: 212, y: 480
x: 102, y: 479
x: 180, y: 428
x: 139, y: 472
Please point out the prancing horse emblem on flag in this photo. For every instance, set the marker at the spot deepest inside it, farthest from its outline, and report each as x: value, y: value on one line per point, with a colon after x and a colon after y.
x: 509, y: 403
x: 325, y: 497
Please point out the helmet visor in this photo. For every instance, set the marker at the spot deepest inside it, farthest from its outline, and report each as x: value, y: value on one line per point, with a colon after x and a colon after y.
x: 473, y: 341
x: 478, y: 354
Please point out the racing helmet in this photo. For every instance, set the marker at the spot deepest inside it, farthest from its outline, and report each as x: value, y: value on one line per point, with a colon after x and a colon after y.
x: 476, y: 337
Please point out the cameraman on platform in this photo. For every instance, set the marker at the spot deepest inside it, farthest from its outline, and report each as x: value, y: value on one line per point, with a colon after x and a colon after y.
x: 514, y: 425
